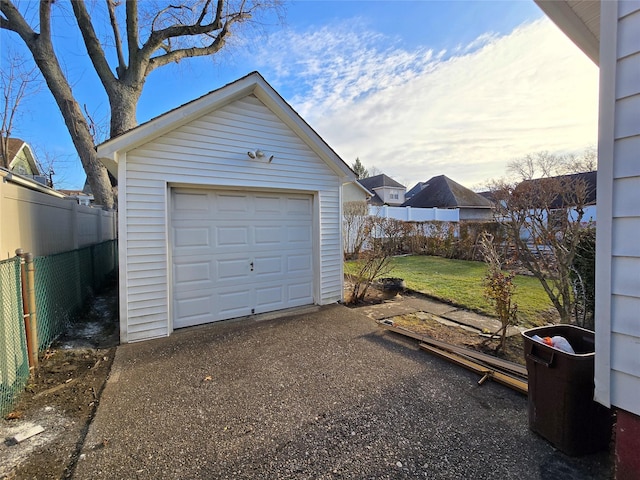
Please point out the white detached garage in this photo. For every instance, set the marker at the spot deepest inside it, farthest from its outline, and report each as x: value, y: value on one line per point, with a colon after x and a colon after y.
x: 228, y: 206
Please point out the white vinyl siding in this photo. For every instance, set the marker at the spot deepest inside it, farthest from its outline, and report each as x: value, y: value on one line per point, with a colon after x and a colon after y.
x: 618, y: 250
x: 212, y: 151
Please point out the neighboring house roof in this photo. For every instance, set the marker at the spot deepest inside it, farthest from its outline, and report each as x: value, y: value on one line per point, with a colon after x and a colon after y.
x: 252, y: 84
x: 16, y: 146
x: 442, y: 192
x: 376, y: 200
x: 567, y: 183
x: 417, y: 188
x: 29, y: 182
x: 379, y: 181
x: 489, y: 195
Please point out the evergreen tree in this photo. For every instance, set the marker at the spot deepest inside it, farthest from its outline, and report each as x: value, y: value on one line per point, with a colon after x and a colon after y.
x: 360, y: 170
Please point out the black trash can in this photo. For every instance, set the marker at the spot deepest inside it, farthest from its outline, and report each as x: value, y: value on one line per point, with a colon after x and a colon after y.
x: 561, y: 405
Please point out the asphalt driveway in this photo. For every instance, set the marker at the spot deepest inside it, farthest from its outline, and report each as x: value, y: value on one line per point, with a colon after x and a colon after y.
x: 324, y: 394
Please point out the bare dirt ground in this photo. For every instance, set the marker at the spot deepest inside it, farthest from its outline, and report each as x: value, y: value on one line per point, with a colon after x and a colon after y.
x: 64, y: 393
x: 457, y: 335
x: 514, y: 347
x: 62, y: 396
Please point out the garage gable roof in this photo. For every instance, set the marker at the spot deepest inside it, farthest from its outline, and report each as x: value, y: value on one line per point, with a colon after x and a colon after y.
x: 110, y: 151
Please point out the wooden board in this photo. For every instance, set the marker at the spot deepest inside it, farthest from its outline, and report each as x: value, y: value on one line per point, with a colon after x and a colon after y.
x: 502, y: 378
x: 489, y: 360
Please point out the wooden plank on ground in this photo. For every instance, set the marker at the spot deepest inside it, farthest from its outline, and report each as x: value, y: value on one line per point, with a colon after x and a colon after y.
x: 22, y: 436
x: 502, y: 378
x: 492, y: 361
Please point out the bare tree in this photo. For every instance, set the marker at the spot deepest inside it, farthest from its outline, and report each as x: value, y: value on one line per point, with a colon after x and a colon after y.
x: 536, y: 165
x: 355, y: 227
x: 543, y: 221
x: 18, y: 80
x: 373, y: 171
x: 143, y: 36
x: 374, y: 260
x: 587, y: 161
x: 499, y: 289
x: 546, y: 164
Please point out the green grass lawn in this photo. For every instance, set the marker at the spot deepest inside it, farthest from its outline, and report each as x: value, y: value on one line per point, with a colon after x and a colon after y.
x: 459, y: 282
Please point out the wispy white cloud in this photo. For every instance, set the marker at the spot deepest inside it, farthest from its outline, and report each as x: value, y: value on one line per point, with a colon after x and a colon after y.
x: 463, y: 113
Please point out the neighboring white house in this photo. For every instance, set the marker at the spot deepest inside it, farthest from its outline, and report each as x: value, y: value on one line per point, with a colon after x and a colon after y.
x: 386, y: 191
x: 609, y: 33
x: 22, y: 160
x: 228, y: 206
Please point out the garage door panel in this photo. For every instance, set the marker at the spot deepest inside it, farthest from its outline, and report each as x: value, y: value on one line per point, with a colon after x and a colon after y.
x: 269, y: 297
x: 268, y: 265
x: 300, y: 263
x: 231, y: 203
x: 232, y: 236
x: 197, y: 274
x: 233, y: 269
x: 299, y: 234
x: 215, y: 247
x: 298, y: 206
x: 191, y: 237
x: 302, y: 293
x: 185, y: 203
x: 268, y: 205
x: 234, y: 303
x: 268, y: 235
x: 193, y: 311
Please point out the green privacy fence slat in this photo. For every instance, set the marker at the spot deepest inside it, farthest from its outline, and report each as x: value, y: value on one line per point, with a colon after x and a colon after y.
x: 14, y: 361
x: 64, y: 281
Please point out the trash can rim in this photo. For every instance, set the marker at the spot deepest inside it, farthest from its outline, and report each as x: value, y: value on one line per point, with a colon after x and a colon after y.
x: 527, y: 334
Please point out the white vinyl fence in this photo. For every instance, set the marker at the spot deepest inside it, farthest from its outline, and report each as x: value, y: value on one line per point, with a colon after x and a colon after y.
x: 409, y: 214
x: 422, y: 216
x: 44, y: 224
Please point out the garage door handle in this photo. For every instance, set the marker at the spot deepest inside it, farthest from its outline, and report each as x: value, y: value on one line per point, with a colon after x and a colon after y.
x: 251, y: 264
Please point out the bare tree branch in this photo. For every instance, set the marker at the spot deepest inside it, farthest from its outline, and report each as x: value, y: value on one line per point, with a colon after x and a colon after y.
x: 111, y: 6
x: 14, y: 21
x: 177, y: 55
x: 17, y: 82
x: 133, y: 35
x: 94, y: 48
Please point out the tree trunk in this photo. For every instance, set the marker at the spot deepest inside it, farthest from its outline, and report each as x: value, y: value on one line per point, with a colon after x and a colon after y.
x: 75, y: 121
x: 124, y: 102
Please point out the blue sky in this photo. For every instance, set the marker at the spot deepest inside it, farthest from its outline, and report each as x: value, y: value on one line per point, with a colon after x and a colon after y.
x: 413, y: 88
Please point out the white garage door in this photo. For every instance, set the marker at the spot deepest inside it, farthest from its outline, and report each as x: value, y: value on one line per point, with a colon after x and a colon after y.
x: 239, y: 253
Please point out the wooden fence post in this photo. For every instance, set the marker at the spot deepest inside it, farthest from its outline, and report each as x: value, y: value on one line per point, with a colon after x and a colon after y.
x: 27, y: 274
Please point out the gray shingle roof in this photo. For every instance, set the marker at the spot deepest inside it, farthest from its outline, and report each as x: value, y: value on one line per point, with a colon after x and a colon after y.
x: 442, y: 192
x: 378, y: 181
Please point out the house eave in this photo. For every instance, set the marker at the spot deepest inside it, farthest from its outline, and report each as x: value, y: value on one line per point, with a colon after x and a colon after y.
x: 571, y: 17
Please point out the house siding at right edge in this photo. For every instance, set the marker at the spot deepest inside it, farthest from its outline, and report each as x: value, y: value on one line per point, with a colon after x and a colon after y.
x: 618, y: 250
